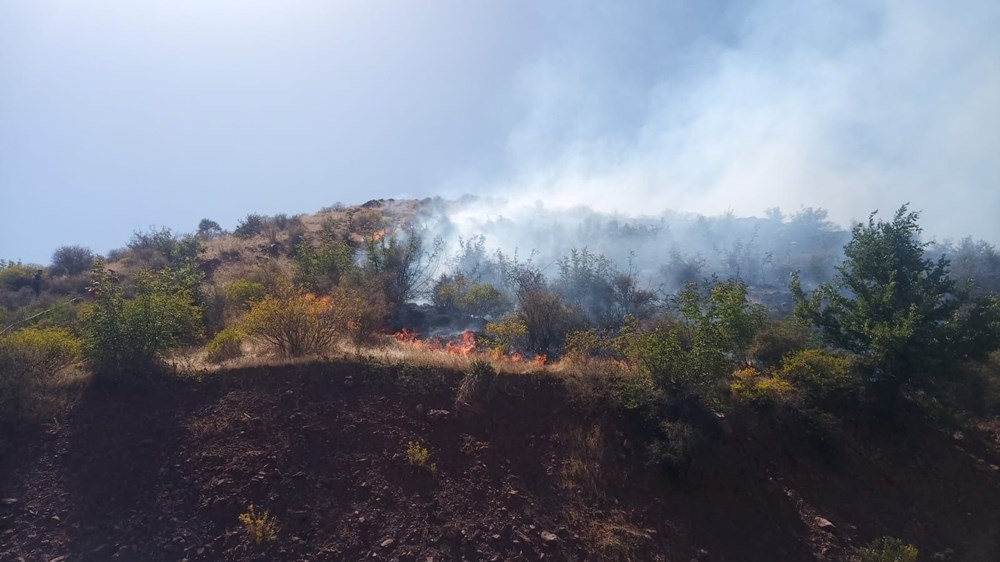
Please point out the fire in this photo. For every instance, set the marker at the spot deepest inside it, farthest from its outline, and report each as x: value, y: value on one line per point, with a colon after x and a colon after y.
x: 464, y: 345
x: 380, y: 234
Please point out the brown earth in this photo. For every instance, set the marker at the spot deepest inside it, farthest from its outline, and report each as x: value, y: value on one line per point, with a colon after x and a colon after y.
x: 163, y: 473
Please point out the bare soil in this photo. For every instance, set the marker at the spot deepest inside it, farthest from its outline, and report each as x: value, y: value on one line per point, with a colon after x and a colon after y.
x: 163, y: 473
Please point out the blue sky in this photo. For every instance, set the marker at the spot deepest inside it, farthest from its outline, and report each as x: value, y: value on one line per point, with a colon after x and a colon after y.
x: 118, y: 115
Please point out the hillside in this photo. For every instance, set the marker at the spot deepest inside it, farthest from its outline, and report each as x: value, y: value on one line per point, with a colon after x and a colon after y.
x: 162, y: 474
x: 392, y: 381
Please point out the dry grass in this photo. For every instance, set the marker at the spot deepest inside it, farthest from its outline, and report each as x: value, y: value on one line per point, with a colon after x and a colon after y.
x: 581, y: 470
x: 616, y: 538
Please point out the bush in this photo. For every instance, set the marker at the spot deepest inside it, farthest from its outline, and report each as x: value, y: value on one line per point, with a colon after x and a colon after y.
x: 418, y: 455
x: 506, y: 335
x: 158, y: 248
x: 752, y: 386
x: 29, y: 360
x: 359, y: 311
x: 250, y: 226
x: 545, y: 315
x: 322, y: 267
x: 209, y: 228
x: 402, y: 264
x: 888, y: 549
x: 241, y: 292
x: 260, y: 526
x: 711, y: 338
x: 225, y: 345
x: 70, y: 260
x: 776, y: 339
x: 458, y: 294
x: 126, y: 336
x: 296, y: 325
x: 16, y: 276
x: 822, y: 374
x: 583, y: 345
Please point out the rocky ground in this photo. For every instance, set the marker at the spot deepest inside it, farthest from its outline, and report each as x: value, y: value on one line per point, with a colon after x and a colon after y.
x: 163, y: 473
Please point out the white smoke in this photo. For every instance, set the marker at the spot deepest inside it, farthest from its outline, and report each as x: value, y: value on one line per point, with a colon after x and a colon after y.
x: 849, y: 106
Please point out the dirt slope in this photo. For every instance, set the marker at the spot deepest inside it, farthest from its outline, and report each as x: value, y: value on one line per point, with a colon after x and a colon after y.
x: 163, y: 473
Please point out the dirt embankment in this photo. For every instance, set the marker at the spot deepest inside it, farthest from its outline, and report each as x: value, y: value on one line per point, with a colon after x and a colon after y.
x: 164, y: 473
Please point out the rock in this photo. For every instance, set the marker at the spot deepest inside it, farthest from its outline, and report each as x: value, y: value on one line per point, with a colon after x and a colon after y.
x: 825, y: 524
x: 59, y: 559
x: 8, y: 502
x: 549, y: 537
x: 389, y: 541
x: 438, y: 414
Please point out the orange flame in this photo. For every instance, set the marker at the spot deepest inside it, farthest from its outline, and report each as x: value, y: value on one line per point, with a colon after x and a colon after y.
x: 464, y: 345
x: 380, y: 234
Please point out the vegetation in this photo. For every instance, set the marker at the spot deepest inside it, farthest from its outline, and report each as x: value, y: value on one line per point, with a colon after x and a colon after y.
x: 71, y: 260
x: 418, y: 455
x: 127, y: 332
x: 899, y: 310
x: 30, y: 362
x: 227, y: 344
x: 888, y: 549
x: 260, y: 526
x: 710, y: 338
x: 894, y: 325
x: 296, y: 324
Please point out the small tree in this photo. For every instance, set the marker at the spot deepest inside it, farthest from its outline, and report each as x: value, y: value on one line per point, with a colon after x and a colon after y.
x: 321, y: 267
x: 402, y: 263
x: 250, y: 226
x: 711, y: 338
x: 70, y: 260
x: 126, y: 335
x: 896, y: 308
x: 208, y: 228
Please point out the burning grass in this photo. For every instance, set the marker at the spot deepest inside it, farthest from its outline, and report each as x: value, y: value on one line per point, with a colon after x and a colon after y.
x: 464, y: 344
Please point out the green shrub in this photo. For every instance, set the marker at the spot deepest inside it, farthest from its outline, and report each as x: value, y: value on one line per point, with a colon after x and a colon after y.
x: 160, y: 247
x: 30, y: 358
x: 418, y: 455
x: 241, y: 292
x: 711, y: 337
x: 776, y: 339
x: 16, y: 276
x: 225, y: 345
x: 250, y: 226
x: 458, y: 294
x: 321, y: 267
x: 888, y: 549
x: 752, y: 386
x: 260, y: 526
x: 506, y: 335
x: 821, y: 373
x: 40, y: 349
x: 126, y: 336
